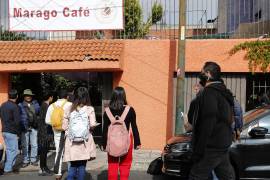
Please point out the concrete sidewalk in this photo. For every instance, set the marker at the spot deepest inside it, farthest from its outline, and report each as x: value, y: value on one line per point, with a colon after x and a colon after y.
x: 141, y: 161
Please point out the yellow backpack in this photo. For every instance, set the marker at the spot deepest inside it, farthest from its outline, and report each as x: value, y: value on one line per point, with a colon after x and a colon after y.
x: 57, y: 116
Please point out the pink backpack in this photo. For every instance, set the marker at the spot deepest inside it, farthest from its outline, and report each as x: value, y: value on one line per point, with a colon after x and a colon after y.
x: 118, y: 141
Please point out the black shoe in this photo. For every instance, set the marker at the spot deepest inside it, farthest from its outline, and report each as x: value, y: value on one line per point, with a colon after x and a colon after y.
x: 45, y: 173
x: 24, y: 165
x: 48, y: 170
x: 34, y: 163
x: 16, y: 170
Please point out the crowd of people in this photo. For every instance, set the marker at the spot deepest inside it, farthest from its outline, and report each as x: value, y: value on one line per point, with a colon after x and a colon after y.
x: 69, y: 123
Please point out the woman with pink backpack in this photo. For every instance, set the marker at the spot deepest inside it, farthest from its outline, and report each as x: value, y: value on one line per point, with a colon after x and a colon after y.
x: 119, y: 131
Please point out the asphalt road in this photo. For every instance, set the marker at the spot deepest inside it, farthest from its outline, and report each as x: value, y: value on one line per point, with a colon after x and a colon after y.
x: 135, y: 175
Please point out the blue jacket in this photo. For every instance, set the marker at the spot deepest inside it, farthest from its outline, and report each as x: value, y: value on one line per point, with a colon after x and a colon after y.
x: 238, y: 115
x: 24, y: 121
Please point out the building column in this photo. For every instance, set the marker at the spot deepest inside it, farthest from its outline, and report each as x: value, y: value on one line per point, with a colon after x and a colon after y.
x: 4, y: 87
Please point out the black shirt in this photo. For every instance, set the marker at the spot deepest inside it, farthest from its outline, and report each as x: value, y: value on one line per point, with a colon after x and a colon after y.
x: 130, y: 119
x: 10, y: 116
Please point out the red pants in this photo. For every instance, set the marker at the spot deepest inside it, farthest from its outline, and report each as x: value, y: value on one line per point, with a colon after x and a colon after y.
x: 123, y: 164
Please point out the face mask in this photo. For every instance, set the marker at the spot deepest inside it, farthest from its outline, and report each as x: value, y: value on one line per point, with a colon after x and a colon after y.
x: 203, y: 78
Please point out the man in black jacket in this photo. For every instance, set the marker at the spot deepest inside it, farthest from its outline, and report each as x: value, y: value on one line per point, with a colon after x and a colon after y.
x: 10, y: 116
x: 212, y: 134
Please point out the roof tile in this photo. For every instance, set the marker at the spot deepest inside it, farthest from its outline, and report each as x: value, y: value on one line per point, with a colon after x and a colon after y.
x: 53, y: 51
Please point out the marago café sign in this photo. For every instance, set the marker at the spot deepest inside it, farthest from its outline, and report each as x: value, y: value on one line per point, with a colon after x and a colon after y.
x: 54, y: 15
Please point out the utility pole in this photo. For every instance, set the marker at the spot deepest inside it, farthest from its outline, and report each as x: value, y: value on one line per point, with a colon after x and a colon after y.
x: 181, y: 65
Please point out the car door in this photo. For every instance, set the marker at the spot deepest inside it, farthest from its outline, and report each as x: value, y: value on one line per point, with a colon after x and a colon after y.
x: 256, y: 151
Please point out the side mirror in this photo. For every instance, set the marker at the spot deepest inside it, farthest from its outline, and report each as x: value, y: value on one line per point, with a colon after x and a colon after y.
x: 258, y: 132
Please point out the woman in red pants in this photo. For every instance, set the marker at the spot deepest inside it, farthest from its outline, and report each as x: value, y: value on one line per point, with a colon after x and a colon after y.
x: 121, y: 164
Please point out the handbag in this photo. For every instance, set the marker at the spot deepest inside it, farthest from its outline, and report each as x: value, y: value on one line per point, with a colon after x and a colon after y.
x: 155, y: 167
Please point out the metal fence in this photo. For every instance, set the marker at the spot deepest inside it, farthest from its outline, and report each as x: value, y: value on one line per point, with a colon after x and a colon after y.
x: 215, y: 19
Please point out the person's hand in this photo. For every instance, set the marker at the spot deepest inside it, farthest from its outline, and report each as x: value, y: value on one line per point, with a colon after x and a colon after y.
x: 138, y: 147
x: 101, y: 148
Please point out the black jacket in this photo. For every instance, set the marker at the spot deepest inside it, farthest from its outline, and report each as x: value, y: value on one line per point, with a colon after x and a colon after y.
x: 212, y: 127
x: 130, y: 120
x: 10, y: 115
x: 45, y: 133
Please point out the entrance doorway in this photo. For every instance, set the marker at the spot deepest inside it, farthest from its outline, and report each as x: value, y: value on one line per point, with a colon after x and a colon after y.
x: 99, y: 85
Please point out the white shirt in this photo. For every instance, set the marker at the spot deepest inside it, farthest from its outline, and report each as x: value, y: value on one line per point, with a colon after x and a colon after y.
x: 59, y: 102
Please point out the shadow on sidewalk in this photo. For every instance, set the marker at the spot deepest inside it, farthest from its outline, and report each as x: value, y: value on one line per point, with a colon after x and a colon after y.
x: 102, y: 175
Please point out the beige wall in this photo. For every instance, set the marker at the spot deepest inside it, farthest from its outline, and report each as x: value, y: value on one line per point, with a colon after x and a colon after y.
x: 147, y: 77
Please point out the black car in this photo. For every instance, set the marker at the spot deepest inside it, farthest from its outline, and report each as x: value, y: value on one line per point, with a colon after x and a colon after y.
x: 250, y: 156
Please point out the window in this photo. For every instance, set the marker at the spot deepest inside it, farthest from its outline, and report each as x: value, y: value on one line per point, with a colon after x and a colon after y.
x: 258, y: 15
x: 265, y: 122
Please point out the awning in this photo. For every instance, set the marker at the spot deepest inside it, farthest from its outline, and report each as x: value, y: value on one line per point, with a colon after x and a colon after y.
x: 60, y: 55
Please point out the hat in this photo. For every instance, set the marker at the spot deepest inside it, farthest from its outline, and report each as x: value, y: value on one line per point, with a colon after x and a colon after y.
x: 28, y: 92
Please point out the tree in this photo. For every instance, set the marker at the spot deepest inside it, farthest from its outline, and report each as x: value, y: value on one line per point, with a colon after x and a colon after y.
x: 12, y: 36
x: 258, y: 54
x: 134, y: 25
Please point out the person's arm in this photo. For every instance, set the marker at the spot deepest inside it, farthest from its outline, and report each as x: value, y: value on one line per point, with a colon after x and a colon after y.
x: 205, y: 126
x: 37, y: 107
x: 106, y: 123
x: 23, y: 117
x: 191, y: 111
x: 16, y: 115
x: 48, y: 115
x: 92, y: 118
x: 135, y: 131
x: 65, y: 121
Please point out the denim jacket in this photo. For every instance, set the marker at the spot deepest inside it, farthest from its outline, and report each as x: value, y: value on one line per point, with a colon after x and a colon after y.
x: 24, y: 121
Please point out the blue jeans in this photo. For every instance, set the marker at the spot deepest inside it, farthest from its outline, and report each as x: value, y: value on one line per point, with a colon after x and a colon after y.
x: 11, y: 141
x: 76, y: 170
x: 32, y: 137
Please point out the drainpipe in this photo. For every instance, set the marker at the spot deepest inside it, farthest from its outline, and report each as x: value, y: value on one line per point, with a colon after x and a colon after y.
x: 179, y: 121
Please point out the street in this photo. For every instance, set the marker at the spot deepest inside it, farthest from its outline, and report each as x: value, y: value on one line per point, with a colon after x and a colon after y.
x: 93, y: 175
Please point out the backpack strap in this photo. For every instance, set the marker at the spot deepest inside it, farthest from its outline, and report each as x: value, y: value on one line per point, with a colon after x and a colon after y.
x: 124, y: 114
x: 121, y: 119
x: 65, y: 101
x: 109, y: 114
x: 62, y: 105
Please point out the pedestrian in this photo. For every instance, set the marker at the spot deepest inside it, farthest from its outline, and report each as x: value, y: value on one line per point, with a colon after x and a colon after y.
x: 10, y: 118
x: 45, y: 135
x: 212, y: 134
x: 238, y: 120
x: 29, y: 111
x: 54, y: 117
x: 117, y: 107
x: 79, y: 143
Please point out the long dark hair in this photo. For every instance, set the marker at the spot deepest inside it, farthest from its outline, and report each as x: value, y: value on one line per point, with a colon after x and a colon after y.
x: 81, y: 97
x: 118, y: 99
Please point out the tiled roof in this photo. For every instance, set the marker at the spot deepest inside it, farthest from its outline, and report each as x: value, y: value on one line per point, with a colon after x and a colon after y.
x: 59, y: 51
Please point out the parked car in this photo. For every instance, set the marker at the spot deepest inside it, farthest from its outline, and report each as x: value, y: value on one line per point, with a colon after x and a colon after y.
x: 250, y: 156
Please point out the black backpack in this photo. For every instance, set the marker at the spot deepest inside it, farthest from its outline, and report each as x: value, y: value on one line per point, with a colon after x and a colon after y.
x: 32, y: 117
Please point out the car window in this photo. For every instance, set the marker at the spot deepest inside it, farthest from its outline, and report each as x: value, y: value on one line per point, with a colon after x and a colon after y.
x: 265, y: 122
x: 252, y: 115
x: 255, y: 118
